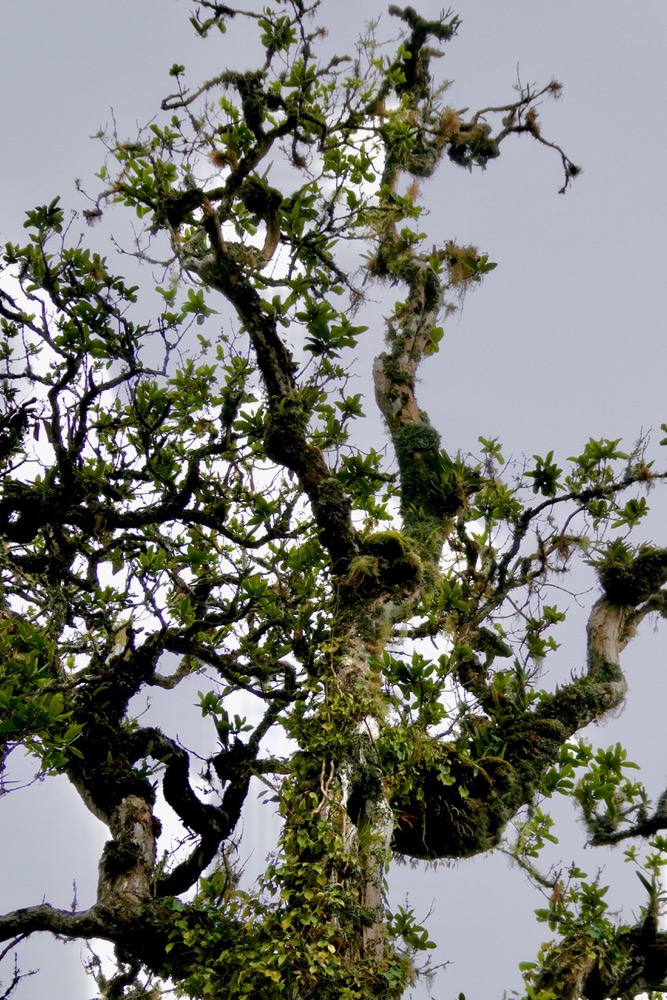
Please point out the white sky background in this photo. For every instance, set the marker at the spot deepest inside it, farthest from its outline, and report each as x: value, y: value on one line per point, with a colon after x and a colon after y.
x: 565, y: 340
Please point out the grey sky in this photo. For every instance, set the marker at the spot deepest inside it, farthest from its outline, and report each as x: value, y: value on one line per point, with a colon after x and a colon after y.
x: 565, y: 340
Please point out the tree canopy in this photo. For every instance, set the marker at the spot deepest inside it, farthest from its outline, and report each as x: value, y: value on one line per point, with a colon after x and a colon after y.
x: 188, y: 492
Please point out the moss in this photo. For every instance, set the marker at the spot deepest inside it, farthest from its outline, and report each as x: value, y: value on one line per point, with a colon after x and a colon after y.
x: 388, y: 544
x: 473, y: 144
x: 455, y: 820
x: 530, y: 750
x: 375, y: 631
x: 332, y: 506
x: 387, y: 563
x: 393, y: 365
x: 363, y: 574
x: 117, y: 859
x: 418, y: 454
x: 259, y: 198
x: 455, y: 807
x: 396, y: 557
x: 427, y: 486
x: 629, y: 581
x: 588, y: 697
x: 418, y: 438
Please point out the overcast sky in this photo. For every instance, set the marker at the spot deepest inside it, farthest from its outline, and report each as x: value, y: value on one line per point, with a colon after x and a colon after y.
x: 565, y: 340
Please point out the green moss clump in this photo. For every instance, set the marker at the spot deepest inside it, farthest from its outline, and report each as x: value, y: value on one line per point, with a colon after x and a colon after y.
x: 418, y: 454
x: 431, y: 487
x: 627, y: 578
x: 448, y: 805
x: 363, y: 574
x: 398, y: 563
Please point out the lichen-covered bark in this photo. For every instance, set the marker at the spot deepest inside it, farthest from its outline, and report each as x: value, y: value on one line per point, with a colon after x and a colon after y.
x: 128, y: 862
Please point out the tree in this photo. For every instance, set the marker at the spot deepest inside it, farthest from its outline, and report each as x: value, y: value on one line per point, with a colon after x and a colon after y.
x: 178, y: 502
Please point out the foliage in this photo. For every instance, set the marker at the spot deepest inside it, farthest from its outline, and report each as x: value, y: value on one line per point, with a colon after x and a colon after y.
x: 181, y: 502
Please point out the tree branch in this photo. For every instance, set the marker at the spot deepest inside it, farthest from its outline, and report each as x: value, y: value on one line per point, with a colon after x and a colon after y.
x: 90, y: 923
